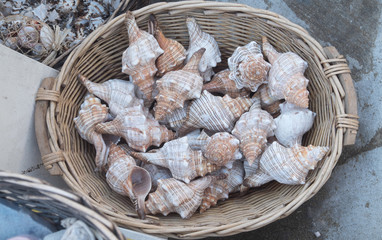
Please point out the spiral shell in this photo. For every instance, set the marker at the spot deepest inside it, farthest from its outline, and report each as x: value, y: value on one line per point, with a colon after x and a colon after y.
x: 156, y: 173
x: 175, y: 120
x: 248, y: 67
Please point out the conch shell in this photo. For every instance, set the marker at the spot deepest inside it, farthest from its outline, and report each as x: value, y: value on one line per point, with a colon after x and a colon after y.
x: 175, y: 120
x: 222, y: 149
x: 292, y: 124
x: 118, y: 94
x: 138, y: 129
x: 91, y: 113
x: 248, y: 67
x: 217, y: 114
x: 286, y: 77
x: 126, y: 178
x: 138, y: 60
x: 174, y: 53
x: 198, y: 40
x: 268, y: 103
x: 286, y: 165
x: 175, y: 196
x: 184, y: 163
x: 220, y: 189
x: 221, y: 83
x: 252, y: 129
x: 178, y: 86
x: 197, y: 139
x: 156, y: 173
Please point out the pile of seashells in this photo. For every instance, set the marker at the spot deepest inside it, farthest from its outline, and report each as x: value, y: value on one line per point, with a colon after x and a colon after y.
x: 212, y: 145
x: 44, y: 29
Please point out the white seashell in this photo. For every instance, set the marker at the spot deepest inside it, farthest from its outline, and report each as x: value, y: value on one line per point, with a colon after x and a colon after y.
x: 292, y: 124
x: 177, y: 118
x: 47, y: 37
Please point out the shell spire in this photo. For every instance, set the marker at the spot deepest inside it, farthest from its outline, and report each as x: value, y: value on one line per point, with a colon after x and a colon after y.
x: 175, y: 196
x: 138, y: 129
x: 184, y: 163
x: 286, y: 78
x: 138, y: 60
x: 178, y: 86
x: 285, y: 165
x: 126, y: 178
x: 174, y: 53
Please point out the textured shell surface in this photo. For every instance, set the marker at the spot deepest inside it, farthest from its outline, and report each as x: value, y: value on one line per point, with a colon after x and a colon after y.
x: 174, y: 52
x: 175, y: 196
x: 118, y: 94
x: 268, y: 103
x: 197, y: 139
x: 138, y: 129
x: 286, y: 165
x: 156, y: 173
x: 292, y: 124
x: 217, y: 114
x: 138, y: 60
x: 248, y: 67
x: 222, y: 149
x: 126, y: 178
x: 91, y: 113
x: 175, y: 120
x: 252, y: 129
x: 286, y: 78
x: 184, y: 163
x: 222, y: 83
x: 200, y: 39
x: 178, y: 86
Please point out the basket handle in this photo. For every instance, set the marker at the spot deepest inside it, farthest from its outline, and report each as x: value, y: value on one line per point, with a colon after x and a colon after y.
x: 45, y: 94
x: 338, y: 67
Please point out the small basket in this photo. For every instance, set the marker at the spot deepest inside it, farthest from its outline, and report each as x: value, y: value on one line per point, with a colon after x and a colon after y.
x: 53, y: 204
x: 332, y: 97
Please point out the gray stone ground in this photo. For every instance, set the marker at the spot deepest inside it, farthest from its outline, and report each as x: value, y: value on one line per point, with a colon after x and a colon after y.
x: 349, y: 206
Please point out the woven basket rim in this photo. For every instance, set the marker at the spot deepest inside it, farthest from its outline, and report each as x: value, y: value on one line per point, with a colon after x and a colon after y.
x: 209, y: 8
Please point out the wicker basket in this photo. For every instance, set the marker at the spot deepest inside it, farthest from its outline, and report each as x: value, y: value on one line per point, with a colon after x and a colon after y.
x: 53, y: 204
x: 332, y: 97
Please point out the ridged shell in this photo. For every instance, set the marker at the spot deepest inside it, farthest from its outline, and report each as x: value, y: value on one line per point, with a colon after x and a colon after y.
x: 221, y: 83
x: 200, y: 39
x: 175, y: 120
x: 124, y: 177
x: 197, y: 139
x: 138, y: 60
x: 118, y: 94
x: 175, y: 196
x: 248, y: 67
x: 138, y: 129
x: 292, y: 124
x: 174, y: 52
x: 286, y: 165
x: 252, y: 129
x: 217, y: 114
x: 286, y: 78
x: 268, y: 103
x: 184, y: 163
x: 91, y: 113
x: 222, y: 149
x: 178, y: 86
x: 220, y: 189
x: 156, y: 173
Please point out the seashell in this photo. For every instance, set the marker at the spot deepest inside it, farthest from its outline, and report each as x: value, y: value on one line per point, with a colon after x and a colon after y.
x: 138, y: 60
x: 252, y: 129
x: 197, y: 139
x: 177, y: 118
x: 178, y: 86
x: 118, y: 94
x: 217, y: 114
x: 198, y: 40
x: 269, y: 104
x: 221, y: 83
x: 156, y: 173
x: 292, y: 124
x: 47, y: 37
x: 184, y: 163
x: 286, y: 77
x: 91, y: 113
x: 222, y: 149
x: 220, y: 189
x: 175, y: 196
x: 251, y: 170
x: 139, y: 130
x: 28, y: 36
x: 286, y: 165
x: 127, y: 179
x: 248, y: 67
x: 174, y: 53
x: 41, y: 12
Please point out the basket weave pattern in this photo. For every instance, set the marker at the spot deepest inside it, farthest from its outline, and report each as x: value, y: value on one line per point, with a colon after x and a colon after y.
x: 232, y: 25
